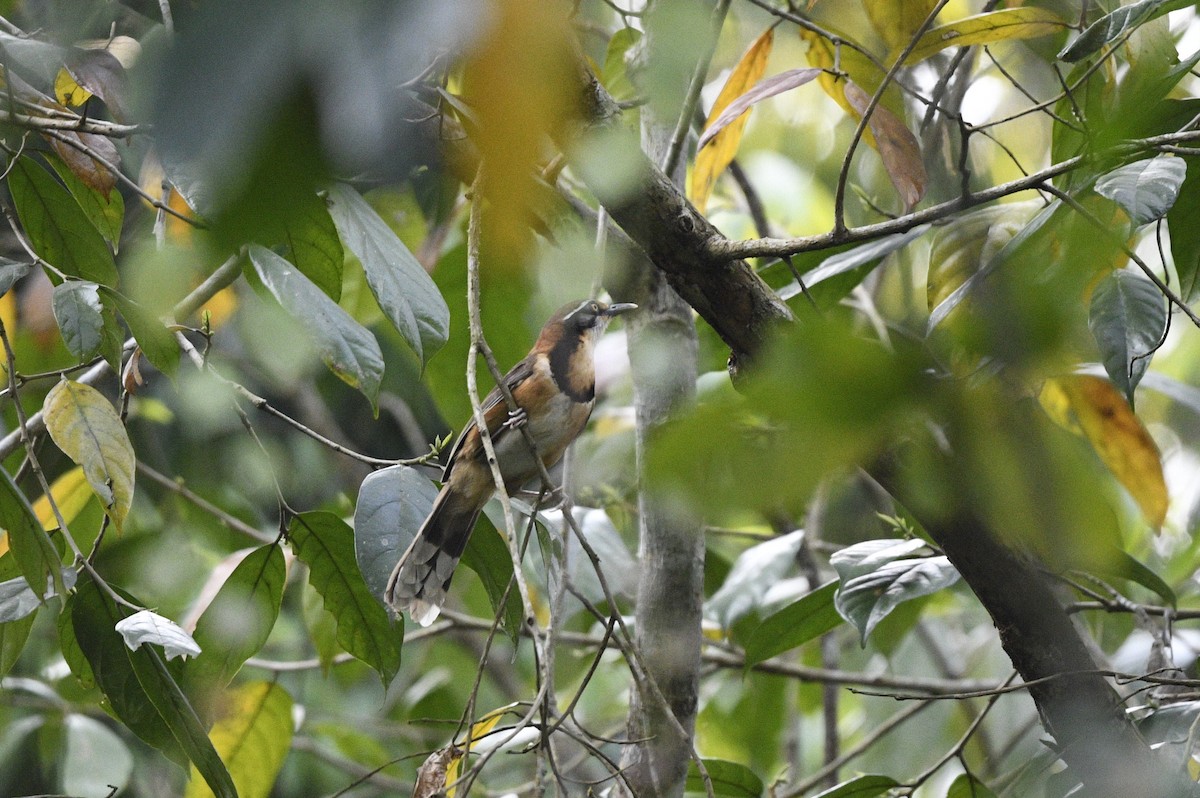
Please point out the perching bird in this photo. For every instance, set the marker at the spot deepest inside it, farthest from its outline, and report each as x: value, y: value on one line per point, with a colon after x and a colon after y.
x: 554, y: 388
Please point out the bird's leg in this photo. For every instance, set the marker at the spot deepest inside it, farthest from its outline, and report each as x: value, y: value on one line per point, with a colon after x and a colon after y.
x: 516, y: 419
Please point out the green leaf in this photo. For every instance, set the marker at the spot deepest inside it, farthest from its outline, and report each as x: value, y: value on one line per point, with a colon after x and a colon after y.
x: 13, y: 635
x: 10, y: 272
x: 1111, y: 26
x: 874, y: 580
x: 348, y: 348
x: 253, y: 737
x: 728, y: 779
x: 88, y: 430
x: 1145, y: 189
x: 794, y: 625
x: 325, y: 544
x: 68, y: 643
x: 158, y: 343
x: 488, y: 556
x: 967, y: 786
x: 753, y: 573
x: 313, y: 245
x: 321, y: 626
x: 80, y: 318
x: 39, y: 561
x: 1127, y: 317
x: 237, y: 622
x: 860, y: 787
x: 106, y: 213
x: 615, y: 74
x: 92, y: 755
x: 1185, y: 236
x: 1124, y: 566
x: 392, y: 504
x: 845, y: 270
x: 57, y: 227
x: 405, y: 292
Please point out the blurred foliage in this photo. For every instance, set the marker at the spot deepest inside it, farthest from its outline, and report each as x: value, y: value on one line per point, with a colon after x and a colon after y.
x: 233, y: 290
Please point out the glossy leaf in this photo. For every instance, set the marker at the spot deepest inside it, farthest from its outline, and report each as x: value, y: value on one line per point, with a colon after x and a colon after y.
x: 86, y: 427
x: 11, y: 272
x: 764, y: 89
x: 80, y: 317
x: 157, y: 343
x: 754, y: 571
x: 1113, y: 25
x: 1185, y: 236
x: 1145, y: 189
x: 1120, y: 564
x: 712, y: 160
x: 236, y: 624
x: 730, y: 779
x: 403, y: 289
x: 57, y: 227
x: 1128, y: 318
x: 145, y: 626
x: 313, y: 245
x: 392, y: 505
x: 39, y: 561
x: 874, y: 580
x: 860, y: 787
x: 326, y: 545
x: 348, y: 348
x: 870, y: 255
x: 898, y: 147
x: 994, y: 26
x: 794, y: 625
x: 253, y: 736
x: 1092, y: 407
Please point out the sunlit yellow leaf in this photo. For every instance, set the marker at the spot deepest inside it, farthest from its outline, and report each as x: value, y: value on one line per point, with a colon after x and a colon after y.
x: 71, y: 494
x: 897, y: 20
x: 861, y: 69
x: 252, y: 736
x: 86, y: 427
x: 480, y: 729
x: 1094, y: 408
x: 1027, y: 22
x: 713, y: 159
x: 67, y: 91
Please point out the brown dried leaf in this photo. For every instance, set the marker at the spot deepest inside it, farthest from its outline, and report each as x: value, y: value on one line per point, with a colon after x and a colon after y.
x: 100, y: 73
x: 710, y: 162
x: 431, y: 776
x: 95, y: 174
x: 898, y: 147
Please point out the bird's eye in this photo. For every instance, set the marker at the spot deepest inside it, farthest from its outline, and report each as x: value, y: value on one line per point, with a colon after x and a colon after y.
x: 594, y: 308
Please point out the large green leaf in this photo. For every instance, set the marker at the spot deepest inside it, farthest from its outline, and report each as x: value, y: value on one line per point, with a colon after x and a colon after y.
x: 753, y: 573
x: 80, y: 317
x: 1145, y: 189
x: 1185, y: 235
x: 1112, y: 25
x: 731, y: 779
x: 156, y: 341
x: 877, y: 575
x: 1128, y: 317
x: 141, y: 689
x: 13, y: 635
x: 325, y: 544
x: 36, y: 556
x: 237, y: 622
x: 487, y: 554
x: 88, y: 430
x: 403, y: 289
x: 348, y: 348
x: 57, y: 227
x: 794, y: 625
x: 106, y: 212
x: 252, y: 736
x: 967, y: 786
x: 313, y: 245
x: 10, y: 272
x: 392, y: 505
x: 860, y: 787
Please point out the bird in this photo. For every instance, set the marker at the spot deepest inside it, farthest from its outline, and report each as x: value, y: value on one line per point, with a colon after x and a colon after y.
x: 554, y: 388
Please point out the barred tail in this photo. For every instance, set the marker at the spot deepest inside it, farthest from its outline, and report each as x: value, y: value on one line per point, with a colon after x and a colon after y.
x: 419, y: 582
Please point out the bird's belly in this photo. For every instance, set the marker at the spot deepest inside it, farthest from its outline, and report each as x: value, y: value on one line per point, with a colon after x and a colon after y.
x: 552, y: 429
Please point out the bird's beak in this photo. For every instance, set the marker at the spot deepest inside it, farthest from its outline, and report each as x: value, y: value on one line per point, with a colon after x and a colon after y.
x: 617, y: 308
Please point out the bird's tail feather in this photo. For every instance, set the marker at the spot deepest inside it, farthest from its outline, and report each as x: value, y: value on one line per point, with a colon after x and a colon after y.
x: 419, y: 582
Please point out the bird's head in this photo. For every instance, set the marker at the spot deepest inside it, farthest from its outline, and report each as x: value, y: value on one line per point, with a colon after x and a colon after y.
x: 586, y: 318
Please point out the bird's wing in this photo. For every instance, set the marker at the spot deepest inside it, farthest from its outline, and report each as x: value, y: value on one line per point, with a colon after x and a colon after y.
x: 494, y: 410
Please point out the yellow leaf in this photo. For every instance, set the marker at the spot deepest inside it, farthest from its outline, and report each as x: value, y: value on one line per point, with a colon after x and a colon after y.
x: 861, y: 70
x: 71, y: 493
x: 151, y: 179
x: 252, y: 736
x: 479, y: 729
x: 1092, y: 407
x: 713, y: 159
x: 897, y: 20
x: 67, y: 91
x: 1010, y: 23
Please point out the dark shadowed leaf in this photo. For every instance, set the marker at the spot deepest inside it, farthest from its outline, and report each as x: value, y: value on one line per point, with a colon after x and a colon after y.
x: 80, y: 317
x: 1128, y: 317
x: 31, y: 547
x: 1185, y: 235
x: 405, y: 292
x: 13, y: 635
x: 898, y: 147
x: 313, y: 245
x: 731, y: 779
x: 348, y: 348
x: 57, y: 227
x: 794, y: 625
x: 967, y: 786
x: 325, y: 544
x: 865, y: 257
x: 10, y: 272
x: 105, y: 210
x: 1111, y: 26
x: 488, y: 556
x: 101, y: 73
x: 1146, y: 189
x: 70, y: 145
x: 860, y: 787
